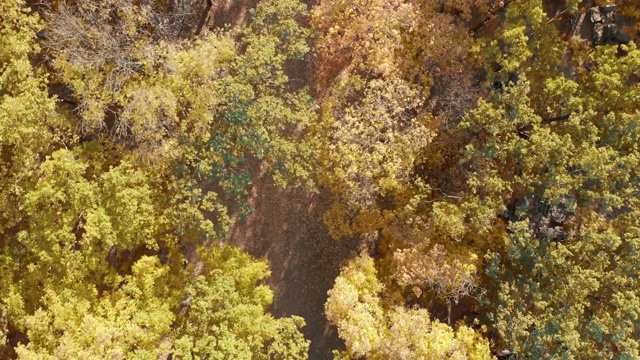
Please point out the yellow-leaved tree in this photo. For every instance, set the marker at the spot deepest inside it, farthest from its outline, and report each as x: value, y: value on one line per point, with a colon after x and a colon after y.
x: 382, y: 119
x: 375, y: 327
x: 116, y: 197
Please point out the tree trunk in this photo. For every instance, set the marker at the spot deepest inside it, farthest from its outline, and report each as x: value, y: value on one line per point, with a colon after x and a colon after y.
x: 204, y: 17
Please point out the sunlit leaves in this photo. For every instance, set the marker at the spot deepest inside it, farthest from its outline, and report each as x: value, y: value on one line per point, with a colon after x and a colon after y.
x: 377, y: 330
x: 107, y: 196
x: 550, y: 159
x: 226, y: 313
x: 132, y: 322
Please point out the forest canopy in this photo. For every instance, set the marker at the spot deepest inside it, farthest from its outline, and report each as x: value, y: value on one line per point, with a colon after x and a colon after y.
x: 484, y: 156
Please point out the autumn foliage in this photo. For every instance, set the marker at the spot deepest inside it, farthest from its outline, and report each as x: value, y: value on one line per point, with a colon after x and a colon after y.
x: 484, y: 154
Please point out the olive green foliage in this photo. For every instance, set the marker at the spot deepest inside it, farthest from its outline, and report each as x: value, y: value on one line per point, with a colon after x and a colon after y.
x: 115, y: 201
x: 483, y: 151
x: 270, y: 116
x: 556, y: 158
x: 29, y: 126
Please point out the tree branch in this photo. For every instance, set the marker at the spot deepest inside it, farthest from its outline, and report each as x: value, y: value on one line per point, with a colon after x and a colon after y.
x: 204, y: 17
x: 557, y: 118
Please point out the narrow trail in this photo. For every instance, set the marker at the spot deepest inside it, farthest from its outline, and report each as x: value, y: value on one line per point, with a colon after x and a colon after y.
x: 287, y: 229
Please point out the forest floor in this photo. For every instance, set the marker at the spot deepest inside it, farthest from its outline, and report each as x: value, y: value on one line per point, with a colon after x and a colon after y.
x: 287, y: 229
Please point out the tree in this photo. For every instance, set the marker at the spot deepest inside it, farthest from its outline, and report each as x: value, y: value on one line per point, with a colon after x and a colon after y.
x: 226, y: 313
x: 379, y: 329
x: 552, y: 165
x: 382, y: 117
x: 133, y: 321
x: 111, y: 200
x: 376, y: 65
x: 209, y: 104
x: 99, y: 250
x: 29, y: 127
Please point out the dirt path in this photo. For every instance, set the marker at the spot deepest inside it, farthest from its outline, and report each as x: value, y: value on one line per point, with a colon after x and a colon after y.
x: 288, y: 230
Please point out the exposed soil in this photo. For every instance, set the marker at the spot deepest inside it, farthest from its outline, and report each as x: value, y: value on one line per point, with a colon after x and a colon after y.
x: 287, y: 229
x: 225, y: 13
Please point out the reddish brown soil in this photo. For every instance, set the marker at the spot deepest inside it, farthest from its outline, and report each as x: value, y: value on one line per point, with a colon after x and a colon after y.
x: 287, y: 229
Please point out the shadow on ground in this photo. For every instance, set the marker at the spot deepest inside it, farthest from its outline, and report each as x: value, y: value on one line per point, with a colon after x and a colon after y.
x: 287, y: 228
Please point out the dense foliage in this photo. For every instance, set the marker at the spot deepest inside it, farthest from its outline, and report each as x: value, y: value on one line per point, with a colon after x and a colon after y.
x: 485, y: 154
x: 115, y: 200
